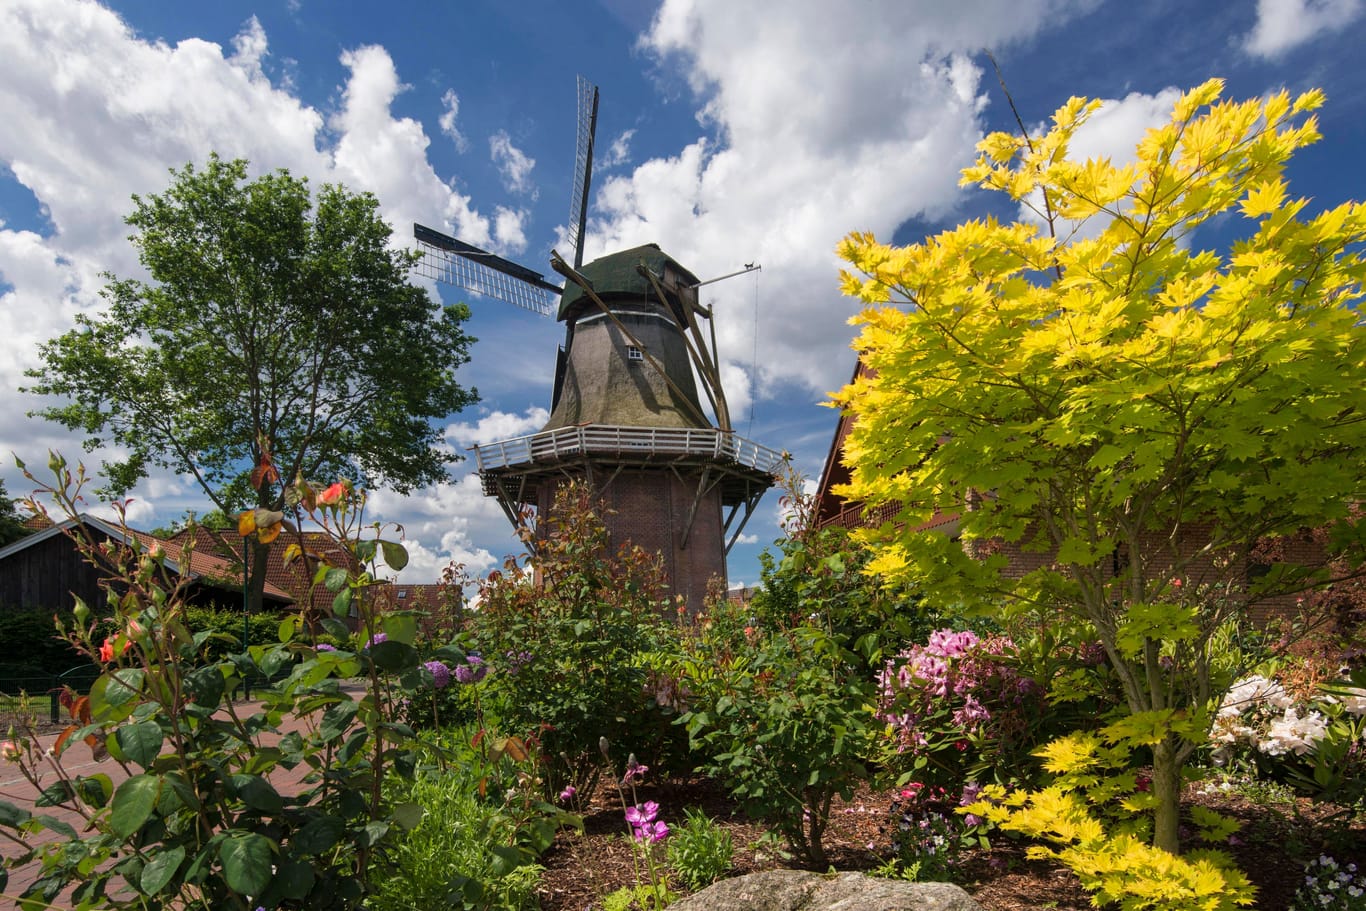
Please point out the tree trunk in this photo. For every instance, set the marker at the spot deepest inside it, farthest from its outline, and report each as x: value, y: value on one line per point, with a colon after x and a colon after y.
x: 1167, y: 788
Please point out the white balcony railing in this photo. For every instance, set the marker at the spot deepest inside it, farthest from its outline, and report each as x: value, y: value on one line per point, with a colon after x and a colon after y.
x: 551, y: 446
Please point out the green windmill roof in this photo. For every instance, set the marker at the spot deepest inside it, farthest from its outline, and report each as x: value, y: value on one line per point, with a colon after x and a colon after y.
x: 616, y: 275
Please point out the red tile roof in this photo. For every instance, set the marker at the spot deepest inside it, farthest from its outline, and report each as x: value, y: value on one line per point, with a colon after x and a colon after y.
x: 297, y: 578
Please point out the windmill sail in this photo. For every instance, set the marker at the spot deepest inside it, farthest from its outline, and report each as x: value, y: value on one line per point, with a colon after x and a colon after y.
x: 455, y: 262
x: 583, y: 168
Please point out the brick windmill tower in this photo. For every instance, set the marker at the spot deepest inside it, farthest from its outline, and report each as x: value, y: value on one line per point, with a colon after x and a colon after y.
x: 625, y: 416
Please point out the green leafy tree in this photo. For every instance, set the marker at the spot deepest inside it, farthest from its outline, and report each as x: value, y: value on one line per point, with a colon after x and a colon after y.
x: 214, y: 520
x: 11, y: 524
x: 278, y: 338
x: 1092, y: 385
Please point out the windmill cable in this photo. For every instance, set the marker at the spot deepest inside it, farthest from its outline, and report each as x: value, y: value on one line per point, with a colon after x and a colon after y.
x: 754, y: 360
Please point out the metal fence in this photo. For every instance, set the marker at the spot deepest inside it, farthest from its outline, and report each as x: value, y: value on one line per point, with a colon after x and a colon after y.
x: 41, y: 688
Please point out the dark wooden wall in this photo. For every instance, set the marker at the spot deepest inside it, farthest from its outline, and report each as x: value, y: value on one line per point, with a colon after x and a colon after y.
x: 46, y: 575
x: 50, y: 574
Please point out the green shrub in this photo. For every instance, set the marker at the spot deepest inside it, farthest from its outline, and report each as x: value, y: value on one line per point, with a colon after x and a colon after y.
x: 31, y: 639
x: 785, y: 727
x: 700, y: 851
x: 782, y: 689
x: 439, y: 707
x: 223, y: 630
x: 568, y: 658
x: 463, y: 854
x: 197, y: 821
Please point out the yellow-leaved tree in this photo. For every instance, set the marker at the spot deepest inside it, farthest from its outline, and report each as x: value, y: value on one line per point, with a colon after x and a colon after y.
x: 1148, y: 415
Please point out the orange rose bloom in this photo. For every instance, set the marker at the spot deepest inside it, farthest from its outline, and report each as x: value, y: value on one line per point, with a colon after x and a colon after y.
x: 332, y: 494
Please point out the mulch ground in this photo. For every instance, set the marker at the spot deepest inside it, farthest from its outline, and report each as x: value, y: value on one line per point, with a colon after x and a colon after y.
x: 1271, y: 849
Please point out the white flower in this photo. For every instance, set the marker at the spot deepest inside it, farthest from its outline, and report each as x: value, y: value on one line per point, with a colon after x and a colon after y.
x: 1355, y: 701
x: 1250, y: 692
x: 1294, y: 734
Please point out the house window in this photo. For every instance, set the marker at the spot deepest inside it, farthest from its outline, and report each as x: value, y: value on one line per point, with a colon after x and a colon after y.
x: 402, y: 593
x: 634, y: 354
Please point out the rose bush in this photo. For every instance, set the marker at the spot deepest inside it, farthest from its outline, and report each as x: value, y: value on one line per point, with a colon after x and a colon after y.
x: 200, y: 819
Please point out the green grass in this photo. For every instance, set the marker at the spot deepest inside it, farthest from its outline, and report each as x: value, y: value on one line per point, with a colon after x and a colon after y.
x: 14, y: 709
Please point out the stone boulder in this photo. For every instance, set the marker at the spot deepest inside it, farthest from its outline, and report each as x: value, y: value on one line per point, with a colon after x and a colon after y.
x: 796, y: 890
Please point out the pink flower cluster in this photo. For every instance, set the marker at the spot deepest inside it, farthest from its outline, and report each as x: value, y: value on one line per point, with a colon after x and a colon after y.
x: 955, y: 672
x: 644, y: 826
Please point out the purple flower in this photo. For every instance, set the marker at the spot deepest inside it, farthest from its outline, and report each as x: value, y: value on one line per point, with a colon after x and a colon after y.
x: 971, y: 714
x: 651, y: 832
x: 376, y: 639
x: 643, y: 814
x: 949, y: 644
x: 634, y: 771
x: 472, y: 671
x: 324, y: 647
x: 517, y: 660
x: 441, y: 675
x: 644, y: 826
x: 1091, y: 653
x: 568, y: 793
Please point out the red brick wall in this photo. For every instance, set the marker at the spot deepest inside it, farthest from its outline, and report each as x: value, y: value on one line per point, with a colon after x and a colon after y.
x: 650, y: 509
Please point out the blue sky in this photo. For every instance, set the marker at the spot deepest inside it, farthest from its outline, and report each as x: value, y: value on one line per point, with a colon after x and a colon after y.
x: 728, y: 133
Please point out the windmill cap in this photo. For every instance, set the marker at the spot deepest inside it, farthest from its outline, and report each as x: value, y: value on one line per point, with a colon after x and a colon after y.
x: 618, y: 275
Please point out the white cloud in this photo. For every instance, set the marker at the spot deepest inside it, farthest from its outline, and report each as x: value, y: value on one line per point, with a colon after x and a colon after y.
x: 388, y: 156
x: 509, y: 230
x: 618, y: 152
x: 1114, y: 132
x: 451, y: 105
x: 497, y: 425
x: 94, y: 113
x: 816, y: 123
x: 735, y: 381
x: 513, y: 164
x: 444, y: 524
x: 250, y: 47
x: 1286, y: 24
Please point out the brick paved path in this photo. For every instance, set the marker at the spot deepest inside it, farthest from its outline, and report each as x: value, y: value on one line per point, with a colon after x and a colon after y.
x: 18, y: 791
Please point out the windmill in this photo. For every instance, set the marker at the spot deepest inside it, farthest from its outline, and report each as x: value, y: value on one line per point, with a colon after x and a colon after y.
x: 625, y: 412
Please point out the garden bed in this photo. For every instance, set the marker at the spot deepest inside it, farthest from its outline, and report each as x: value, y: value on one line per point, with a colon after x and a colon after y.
x: 1279, y: 835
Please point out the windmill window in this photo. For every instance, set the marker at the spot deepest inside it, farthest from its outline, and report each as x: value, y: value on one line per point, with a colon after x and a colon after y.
x: 634, y: 354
